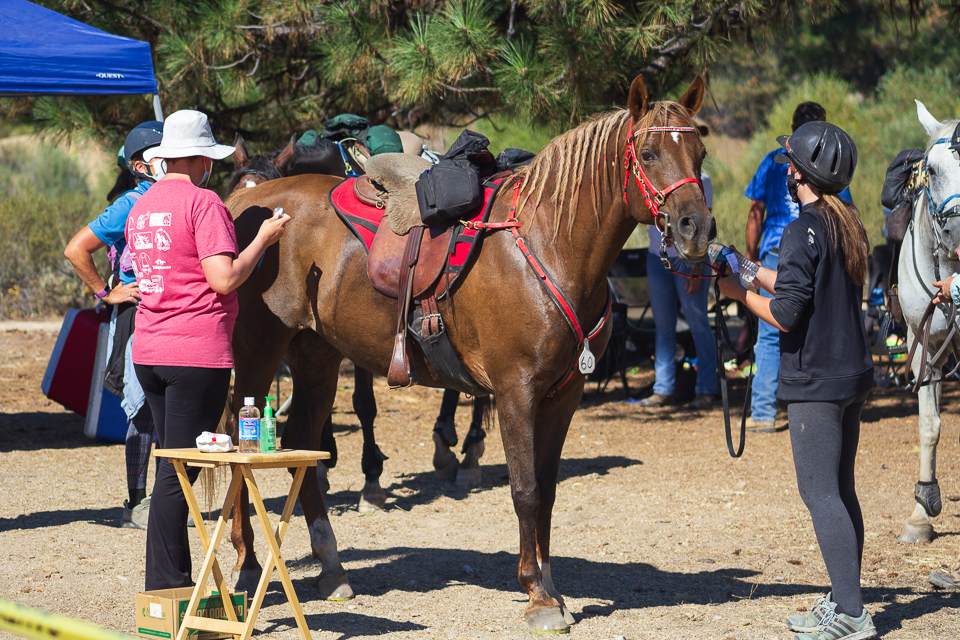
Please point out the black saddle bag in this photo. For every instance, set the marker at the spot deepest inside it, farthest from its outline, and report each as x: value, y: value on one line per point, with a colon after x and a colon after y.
x: 448, y: 191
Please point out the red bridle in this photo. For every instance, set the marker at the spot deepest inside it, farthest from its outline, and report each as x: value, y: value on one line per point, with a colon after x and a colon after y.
x: 651, y: 196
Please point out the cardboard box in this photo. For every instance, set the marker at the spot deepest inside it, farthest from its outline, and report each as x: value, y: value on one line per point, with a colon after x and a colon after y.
x: 155, y: 608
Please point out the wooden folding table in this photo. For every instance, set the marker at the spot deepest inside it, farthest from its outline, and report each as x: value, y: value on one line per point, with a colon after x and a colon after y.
x: 243, y: 465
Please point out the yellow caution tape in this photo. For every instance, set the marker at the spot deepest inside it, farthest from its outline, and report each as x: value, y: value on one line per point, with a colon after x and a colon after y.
x: 41, y: 625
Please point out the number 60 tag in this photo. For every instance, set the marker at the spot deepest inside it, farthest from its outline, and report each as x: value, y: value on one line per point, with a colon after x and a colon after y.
x: 587, y: 361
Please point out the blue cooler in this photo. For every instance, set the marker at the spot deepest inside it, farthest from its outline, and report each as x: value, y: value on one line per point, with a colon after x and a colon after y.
x: 106, y: 419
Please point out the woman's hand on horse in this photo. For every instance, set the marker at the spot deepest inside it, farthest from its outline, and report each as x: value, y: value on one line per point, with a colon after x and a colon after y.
x: 272, y: 229
x: 123, y: 293
x: 943, y: 295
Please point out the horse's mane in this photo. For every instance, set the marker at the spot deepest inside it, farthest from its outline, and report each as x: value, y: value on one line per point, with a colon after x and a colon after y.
x: 322, y: 156
x: 568, y: 156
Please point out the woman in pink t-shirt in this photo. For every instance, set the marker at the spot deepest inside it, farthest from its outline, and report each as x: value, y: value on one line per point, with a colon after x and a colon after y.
x: 185, y: 255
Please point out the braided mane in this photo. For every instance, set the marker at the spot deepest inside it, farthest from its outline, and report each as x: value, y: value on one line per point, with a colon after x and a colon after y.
x: 567, y: 157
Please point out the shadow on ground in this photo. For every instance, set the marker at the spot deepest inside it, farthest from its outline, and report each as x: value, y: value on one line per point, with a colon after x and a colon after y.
x: 38, y: 430
x: 624, y: 585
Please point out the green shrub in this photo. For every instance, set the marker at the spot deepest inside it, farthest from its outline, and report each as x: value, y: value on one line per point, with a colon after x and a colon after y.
x: 45, y: 201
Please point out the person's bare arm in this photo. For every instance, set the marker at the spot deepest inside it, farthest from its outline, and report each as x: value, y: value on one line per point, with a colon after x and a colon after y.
x: 80, y: 252
x: 755, y: 229
x: 225, y: 273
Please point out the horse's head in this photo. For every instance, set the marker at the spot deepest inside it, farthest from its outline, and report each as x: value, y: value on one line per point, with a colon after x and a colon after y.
x: 665, y: 153
x: 249, y: 171
x: 942, y: 179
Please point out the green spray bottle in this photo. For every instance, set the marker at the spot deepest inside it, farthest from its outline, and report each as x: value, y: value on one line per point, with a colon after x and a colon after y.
x: 268, y: 429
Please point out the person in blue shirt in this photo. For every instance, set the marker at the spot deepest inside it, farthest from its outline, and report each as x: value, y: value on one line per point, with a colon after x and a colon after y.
x: 107, y: 230
x: 771, y: 210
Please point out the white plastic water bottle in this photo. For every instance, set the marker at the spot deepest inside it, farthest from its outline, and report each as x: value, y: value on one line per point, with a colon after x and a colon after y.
x: 739, y: 264
x: 249, y: 427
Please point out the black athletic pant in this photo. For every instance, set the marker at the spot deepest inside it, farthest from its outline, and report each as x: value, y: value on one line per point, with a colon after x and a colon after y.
x: 185, y: 401
x: 824, y: 436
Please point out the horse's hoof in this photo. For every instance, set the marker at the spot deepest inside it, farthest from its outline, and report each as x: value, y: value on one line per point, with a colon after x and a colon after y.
x: 372, y: 498
x: 549, y: 620
x: 445, y: 462
x: 468, y: 478
x: 322, y: 478
x: 334, y: 587
x: 568, y: 617
x: 917, y: 533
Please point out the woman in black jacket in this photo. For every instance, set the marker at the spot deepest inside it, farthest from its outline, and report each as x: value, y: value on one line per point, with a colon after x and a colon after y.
x: 826, y: 370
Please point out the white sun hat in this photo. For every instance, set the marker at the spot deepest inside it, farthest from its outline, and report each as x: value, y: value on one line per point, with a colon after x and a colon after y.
x: 187, y: 133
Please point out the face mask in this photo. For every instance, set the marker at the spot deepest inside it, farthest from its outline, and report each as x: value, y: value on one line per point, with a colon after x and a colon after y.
x: 206, y: 175
x: 792, y: 184
x: 158, y: 167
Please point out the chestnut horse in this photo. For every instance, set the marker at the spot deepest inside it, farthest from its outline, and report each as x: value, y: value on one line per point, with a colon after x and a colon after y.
x: 566, y: 216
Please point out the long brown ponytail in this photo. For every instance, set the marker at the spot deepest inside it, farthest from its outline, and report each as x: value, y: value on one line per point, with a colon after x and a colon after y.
x: 846, y: 232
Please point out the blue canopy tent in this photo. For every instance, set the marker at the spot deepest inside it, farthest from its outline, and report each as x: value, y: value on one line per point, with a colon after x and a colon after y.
x: 45, y: 53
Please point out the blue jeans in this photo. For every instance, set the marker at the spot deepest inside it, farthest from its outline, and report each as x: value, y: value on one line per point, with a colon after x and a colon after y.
x: 666, y: 290
x: 763, y: 401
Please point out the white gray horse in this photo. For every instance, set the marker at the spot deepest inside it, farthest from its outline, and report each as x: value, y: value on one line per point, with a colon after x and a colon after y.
x: 929, y: 254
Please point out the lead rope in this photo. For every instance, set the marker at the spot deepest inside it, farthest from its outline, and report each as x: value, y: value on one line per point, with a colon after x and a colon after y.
x: 722, y: 338
x: 922, y: 338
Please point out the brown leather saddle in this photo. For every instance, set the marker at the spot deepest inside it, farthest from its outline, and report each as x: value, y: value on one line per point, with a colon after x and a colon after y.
x: 407, y: 268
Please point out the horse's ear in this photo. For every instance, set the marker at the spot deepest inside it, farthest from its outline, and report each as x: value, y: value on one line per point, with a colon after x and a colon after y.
x: 693, y: 98
x: 240, y: 156
x: 637, y: 101
x: 931, y: 124
x: 285, y: 157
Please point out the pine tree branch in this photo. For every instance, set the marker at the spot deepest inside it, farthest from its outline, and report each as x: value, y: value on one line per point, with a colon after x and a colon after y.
x: 133, y: 14
x: 675, y: 48
x: 469, y: 89
x: 232, y: 64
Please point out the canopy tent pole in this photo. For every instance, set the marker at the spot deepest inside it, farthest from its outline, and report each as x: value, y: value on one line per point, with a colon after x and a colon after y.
x: 157, y: 111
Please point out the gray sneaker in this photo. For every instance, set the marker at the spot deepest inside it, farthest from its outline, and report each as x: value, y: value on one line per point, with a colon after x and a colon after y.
x: 810, y: 621
x: 136, y: 518
x: 840, y: 626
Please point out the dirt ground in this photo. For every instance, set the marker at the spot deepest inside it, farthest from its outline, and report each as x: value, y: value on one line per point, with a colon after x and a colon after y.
x: 658, y: 533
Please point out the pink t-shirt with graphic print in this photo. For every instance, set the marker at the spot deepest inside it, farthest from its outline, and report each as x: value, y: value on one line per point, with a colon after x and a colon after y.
x: 181, y: 320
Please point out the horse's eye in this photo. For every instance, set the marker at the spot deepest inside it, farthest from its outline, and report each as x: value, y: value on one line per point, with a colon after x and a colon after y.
x: 647, y: 156
x: 932, y: 170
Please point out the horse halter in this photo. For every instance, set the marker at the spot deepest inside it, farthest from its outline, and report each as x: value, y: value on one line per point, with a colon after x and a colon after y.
x: 939, y: 214
x: 652, y: 197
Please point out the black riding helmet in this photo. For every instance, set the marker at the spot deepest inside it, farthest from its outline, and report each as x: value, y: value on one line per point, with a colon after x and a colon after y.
x: 144, y: 136
x: 823, y: 153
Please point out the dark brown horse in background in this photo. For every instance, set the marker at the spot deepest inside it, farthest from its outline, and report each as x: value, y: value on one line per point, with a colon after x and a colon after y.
x: 577, y: 204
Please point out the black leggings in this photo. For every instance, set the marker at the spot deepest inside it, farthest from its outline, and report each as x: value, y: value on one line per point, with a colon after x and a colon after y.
x: 824, y: 436
x: 185, y: 401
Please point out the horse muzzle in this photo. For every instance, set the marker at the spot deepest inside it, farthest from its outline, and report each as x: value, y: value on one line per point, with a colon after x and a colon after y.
x: 692, y: 234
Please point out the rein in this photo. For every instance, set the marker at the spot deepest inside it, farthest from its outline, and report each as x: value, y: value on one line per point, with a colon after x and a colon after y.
x: 722, y: 339
x: 922, y: 338
x: 585, y: 361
